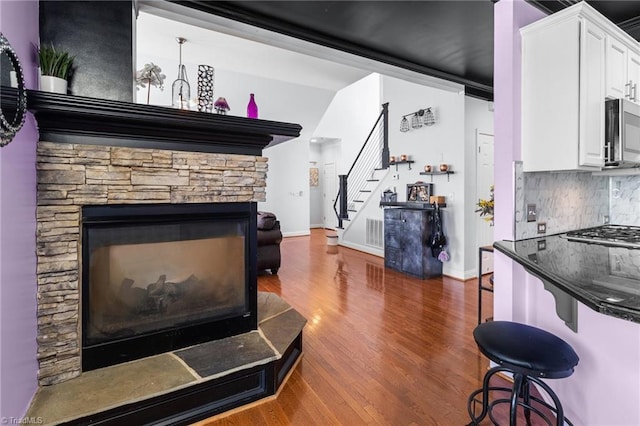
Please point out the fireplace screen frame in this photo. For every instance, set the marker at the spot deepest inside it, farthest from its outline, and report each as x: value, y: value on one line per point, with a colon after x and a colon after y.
x: 119, y: 350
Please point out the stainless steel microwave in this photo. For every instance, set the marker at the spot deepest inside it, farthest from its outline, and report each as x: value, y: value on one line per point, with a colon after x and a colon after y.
x: 622, y: 133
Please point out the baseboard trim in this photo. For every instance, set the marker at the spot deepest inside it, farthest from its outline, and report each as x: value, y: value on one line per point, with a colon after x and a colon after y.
x: 296, y: 234
x: 365, y: 249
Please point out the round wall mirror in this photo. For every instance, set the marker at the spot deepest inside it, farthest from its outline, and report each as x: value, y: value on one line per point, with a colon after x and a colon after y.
x: 13, y: 95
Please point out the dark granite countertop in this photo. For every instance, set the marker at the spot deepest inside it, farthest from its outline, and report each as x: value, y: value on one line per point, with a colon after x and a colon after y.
x: 605, y: 278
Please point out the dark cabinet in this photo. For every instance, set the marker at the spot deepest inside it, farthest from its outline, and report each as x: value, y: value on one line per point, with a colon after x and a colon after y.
x: 406, y: 236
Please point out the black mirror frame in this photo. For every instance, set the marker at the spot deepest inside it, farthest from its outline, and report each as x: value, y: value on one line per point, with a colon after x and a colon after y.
x: 8, y: 129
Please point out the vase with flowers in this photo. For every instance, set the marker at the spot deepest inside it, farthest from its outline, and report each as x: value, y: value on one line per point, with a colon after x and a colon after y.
x: 485, y: 207
x: 150, y: 75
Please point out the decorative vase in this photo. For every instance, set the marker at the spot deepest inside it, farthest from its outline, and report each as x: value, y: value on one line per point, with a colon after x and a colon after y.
x: 252, y: 107
x: 444, y: 167
x: 206, y: 76
x: 53, y: 84
x: 427, y: 168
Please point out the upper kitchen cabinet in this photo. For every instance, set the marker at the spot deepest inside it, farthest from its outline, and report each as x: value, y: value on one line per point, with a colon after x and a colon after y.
x: 623, y: 69
x: 563, y: 91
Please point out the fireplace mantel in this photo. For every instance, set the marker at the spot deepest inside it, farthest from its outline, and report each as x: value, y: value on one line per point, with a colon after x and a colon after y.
x: 77, y: 119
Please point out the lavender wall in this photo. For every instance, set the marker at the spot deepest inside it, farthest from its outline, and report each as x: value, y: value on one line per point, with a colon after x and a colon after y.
x: 509, y: 17
x: 608, y: 374
x: 18, y: 366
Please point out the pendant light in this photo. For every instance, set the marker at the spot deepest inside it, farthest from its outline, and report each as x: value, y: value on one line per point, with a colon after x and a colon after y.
x: 180, y: 90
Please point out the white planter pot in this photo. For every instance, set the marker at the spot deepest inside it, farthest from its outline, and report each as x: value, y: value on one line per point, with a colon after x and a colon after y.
x: 53, y: 84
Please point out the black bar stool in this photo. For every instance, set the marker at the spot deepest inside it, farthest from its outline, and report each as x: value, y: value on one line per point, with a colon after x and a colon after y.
x: 529, y: 354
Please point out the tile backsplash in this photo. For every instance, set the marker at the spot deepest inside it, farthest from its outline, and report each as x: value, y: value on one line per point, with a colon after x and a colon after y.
x: 564, y: 201
x: 625, y: 200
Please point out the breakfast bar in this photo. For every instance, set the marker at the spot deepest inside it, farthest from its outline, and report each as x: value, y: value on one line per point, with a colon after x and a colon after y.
x: 604, y: 276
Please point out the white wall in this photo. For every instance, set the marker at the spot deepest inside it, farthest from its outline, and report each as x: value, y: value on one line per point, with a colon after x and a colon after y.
x: 443, y: 142
x: 350, y: 117
x: 288, y: 186
x: 478, y: 118
x: 288, y: 175
x: 448, y: 141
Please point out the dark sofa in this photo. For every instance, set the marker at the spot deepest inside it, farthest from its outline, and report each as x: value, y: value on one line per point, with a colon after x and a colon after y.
x: 269, y: 239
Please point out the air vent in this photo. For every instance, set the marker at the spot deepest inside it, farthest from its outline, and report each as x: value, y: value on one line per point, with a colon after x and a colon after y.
x: 375, y: 233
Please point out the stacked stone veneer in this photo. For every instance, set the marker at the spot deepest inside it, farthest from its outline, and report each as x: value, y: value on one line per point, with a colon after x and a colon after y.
x: 73, y: 175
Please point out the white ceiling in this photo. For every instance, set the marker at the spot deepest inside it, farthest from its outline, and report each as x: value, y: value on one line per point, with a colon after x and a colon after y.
x: 156, y: 37
x: 250, y: 50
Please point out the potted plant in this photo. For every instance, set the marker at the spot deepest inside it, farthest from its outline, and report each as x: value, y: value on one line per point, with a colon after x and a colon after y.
x: 485, y: 207
x: 55, y: 68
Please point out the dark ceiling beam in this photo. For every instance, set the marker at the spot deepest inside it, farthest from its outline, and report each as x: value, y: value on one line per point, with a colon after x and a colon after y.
x: 552, y: 6
x: 235, y: 12
x: 630, y: 25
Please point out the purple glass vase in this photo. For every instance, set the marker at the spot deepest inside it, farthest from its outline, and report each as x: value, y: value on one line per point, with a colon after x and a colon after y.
x: 252, y: 107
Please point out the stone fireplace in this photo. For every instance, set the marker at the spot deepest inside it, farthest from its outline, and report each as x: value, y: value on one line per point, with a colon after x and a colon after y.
x: 117, y: 181
x: 73, y: 176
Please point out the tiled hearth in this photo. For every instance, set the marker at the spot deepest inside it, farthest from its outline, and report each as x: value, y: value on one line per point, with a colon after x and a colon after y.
x: 81, y: 400
x: 73, y: 175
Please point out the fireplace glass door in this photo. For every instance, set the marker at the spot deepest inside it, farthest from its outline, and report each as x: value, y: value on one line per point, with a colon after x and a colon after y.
x: 163, y: 274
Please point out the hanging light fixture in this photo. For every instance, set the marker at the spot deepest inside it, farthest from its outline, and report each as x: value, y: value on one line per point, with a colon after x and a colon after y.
x: 404, y: 124
x: 423, y: 116
x: 181, y: 91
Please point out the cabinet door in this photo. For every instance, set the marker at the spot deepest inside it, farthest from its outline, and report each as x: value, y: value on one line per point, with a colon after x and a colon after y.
x: 392, y: 228
x: 550, y: 97
x: 414, y: 225
x: 616, y: 56
x: 633, y: 75
x: 592, y: 81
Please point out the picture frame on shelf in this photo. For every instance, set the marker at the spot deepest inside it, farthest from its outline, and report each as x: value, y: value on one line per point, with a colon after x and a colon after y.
x: 419, y: 192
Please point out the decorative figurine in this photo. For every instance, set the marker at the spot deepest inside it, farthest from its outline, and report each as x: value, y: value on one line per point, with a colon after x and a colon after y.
x: 221, y: 106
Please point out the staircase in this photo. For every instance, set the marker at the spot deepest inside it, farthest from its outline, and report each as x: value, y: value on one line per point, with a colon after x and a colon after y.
x: 364, y: 175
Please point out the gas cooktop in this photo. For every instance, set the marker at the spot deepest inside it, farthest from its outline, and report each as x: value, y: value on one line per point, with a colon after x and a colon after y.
x: 613, y: 235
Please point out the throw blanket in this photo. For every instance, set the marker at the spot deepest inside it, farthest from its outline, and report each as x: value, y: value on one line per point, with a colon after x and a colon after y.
x: 266, y: 220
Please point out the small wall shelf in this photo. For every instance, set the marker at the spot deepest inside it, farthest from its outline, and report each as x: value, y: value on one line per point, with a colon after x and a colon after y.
x: 449, y: 172
x: 395, y: 163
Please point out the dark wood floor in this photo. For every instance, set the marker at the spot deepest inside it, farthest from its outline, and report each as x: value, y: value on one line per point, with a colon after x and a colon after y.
x: 380, y: 347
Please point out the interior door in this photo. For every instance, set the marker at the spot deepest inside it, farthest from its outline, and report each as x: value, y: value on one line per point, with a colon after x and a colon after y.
x: 484, y: 181
x: 330, y: 190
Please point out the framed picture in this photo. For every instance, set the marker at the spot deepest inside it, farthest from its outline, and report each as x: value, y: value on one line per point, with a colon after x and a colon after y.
x: 419, y: 192
x: 314, y: 176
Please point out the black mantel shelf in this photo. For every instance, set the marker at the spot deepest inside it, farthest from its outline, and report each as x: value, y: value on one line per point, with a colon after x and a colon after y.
x: 76, y: 119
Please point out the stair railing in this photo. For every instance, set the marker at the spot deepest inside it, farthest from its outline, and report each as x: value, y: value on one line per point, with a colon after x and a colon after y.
x: 373, y: 155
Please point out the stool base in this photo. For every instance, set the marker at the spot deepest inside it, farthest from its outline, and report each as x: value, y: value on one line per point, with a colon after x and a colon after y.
x: 520, y: 396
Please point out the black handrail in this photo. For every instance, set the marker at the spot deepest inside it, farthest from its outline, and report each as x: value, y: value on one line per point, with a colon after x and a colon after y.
x: 383, y: 114
x: 342, y: 191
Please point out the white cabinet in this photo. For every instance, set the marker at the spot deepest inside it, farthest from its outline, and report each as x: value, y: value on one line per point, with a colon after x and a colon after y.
x: 591, y: 104
x: 616, y: 69
x: 623, y: 70
x: 563, y: 92
x: 633, y: 75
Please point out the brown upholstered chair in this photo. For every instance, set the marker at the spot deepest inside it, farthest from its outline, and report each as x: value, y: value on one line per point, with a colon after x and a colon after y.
x: 269, y: 239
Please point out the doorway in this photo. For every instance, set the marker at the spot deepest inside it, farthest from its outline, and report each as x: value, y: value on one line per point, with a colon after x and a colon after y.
x: 484, y: 182
x: 330, y: 190
x: 328, y: 156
